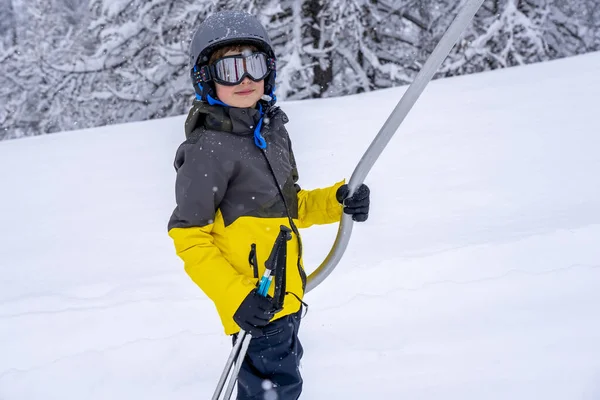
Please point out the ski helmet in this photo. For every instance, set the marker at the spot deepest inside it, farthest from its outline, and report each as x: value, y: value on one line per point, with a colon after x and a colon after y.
x: 221, y: 29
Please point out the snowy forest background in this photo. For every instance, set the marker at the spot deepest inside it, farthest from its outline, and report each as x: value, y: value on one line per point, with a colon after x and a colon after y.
x: 70, y: 64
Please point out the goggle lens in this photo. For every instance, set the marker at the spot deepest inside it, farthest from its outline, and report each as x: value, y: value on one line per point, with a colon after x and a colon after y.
x: 232, y: 70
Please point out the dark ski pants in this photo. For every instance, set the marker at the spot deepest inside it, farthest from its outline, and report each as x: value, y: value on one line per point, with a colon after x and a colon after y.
x: 270, y: 369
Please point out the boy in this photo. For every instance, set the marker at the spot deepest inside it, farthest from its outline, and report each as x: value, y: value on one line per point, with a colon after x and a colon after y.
x: 236, y: 185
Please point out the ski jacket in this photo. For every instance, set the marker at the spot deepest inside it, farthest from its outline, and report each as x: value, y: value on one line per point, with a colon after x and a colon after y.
x: 232, y: 197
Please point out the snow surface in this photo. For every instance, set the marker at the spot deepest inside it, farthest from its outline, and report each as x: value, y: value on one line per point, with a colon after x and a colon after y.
x: 476, y: 277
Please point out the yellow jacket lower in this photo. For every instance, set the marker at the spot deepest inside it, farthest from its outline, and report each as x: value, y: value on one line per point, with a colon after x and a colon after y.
x: 216, y: 257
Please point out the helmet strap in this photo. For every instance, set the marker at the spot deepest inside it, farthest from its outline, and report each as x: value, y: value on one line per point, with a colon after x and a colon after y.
x: 270, y: 88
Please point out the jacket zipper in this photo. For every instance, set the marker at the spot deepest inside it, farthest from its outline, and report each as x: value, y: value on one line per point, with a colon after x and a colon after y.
x: 292, y: 225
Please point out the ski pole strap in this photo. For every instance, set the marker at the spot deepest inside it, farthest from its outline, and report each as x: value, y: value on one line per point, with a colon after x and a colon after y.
x: 284, y: 235
x: 276, y: 264
x: 280, y: 277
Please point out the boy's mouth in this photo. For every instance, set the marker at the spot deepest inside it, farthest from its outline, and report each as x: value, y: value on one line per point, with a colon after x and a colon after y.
x: 245, y: 92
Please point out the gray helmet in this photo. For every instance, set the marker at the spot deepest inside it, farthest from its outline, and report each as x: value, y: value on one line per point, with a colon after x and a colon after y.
x: 221, y: 29
x: 226, y: 27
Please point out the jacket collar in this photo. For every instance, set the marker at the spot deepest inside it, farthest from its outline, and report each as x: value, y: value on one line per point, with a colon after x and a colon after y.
x: 240, y: 121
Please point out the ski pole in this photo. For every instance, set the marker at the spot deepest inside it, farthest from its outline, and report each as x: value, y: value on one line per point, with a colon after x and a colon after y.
x: 232, y: 358
x: 275, y: 262
x: 236, y: 357
x: 240, y: 348
x: 389, y: 128
x: 245, y: 340
x: 245, y: 337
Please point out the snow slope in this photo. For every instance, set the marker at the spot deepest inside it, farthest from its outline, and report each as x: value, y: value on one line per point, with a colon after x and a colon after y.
x: 476, y: 277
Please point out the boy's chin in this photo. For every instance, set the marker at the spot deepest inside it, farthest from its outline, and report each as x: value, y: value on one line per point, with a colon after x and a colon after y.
x: 245, y: 102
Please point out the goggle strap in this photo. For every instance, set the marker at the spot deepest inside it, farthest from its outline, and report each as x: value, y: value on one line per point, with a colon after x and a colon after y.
x: 202, y: 74
x: 205, y: 74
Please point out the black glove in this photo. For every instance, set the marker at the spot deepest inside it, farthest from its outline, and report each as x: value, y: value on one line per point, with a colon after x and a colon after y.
x: 255, y: 312
x: 358, y: 204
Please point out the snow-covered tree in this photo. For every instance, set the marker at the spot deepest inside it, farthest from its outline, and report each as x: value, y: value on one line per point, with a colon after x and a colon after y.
x: 513, y: 32
x: 333, y: 48
x: 8, y: 24
x: 585, y: 15
x: 132, y: 61
x: 375, y: 44
x: 70, y: 64
x: 33, y: 93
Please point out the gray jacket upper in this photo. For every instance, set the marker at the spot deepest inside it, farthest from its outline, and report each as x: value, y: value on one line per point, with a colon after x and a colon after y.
x: 220, y: 167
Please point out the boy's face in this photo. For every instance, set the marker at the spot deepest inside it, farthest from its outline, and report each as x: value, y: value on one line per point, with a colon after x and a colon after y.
x: 244, y: 95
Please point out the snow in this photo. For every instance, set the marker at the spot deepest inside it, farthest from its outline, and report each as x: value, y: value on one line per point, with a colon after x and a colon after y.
x: 476, y: 277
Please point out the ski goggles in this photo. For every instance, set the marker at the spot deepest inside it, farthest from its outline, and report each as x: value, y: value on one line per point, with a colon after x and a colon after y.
x: 231, y: 70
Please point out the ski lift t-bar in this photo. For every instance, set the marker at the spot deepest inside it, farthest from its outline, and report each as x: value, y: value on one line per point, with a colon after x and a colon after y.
x: 388, y: 130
